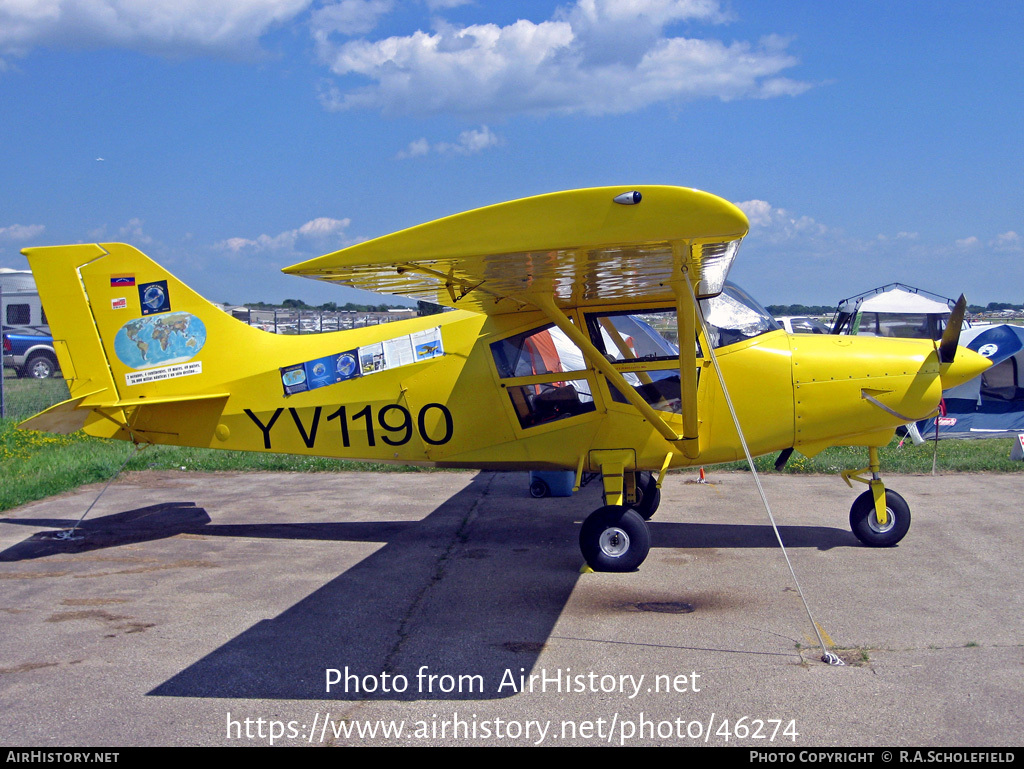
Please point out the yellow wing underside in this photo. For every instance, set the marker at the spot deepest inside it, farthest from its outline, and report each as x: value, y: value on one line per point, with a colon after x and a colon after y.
x: 579, y: 246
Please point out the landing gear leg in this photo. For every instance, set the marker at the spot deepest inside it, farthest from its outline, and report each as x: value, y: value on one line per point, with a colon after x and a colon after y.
x: 879, y: 517
x: 648, y: 495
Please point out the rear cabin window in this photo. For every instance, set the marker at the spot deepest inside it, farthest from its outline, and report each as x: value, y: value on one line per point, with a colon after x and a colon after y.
x: 546, y: 354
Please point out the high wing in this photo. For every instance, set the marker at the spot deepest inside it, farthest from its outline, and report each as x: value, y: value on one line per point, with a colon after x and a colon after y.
x: 580, y: 247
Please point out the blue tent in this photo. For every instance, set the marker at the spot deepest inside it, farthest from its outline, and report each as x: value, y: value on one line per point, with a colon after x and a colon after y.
x: 990, y: 405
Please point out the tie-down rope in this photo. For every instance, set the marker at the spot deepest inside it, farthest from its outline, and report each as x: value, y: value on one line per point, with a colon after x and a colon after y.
x: 68, y: 534
x: 826, y: 656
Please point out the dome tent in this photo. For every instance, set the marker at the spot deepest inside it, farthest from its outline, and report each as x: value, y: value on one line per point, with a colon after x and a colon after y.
x: 990, y: 405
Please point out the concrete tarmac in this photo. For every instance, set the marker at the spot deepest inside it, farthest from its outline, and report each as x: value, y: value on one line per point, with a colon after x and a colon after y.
x: 448, y: 608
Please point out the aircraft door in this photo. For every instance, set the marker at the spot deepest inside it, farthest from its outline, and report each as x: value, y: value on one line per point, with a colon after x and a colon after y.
x: 545, y: 375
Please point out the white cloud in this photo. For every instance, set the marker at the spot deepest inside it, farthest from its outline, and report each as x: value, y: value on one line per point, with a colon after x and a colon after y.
x: 658, y: 12
x: 161, y: 26
x: 323, y: 227
x: 473, y: 141
x: 316, y: 232
x: 436, y: 5
x: 759, y: 212
x: 1008, y: 243
x: 469, y: 142
x: 348, y: 17
x: 132, y: 233
x: 778, y: 223
x: 591, y: 56
x: 20, y: 232
x: 417, y: 148
x: 791, y: 257
x: 595, y: 57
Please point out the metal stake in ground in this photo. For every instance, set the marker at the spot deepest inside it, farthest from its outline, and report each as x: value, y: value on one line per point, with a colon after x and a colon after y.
x: 69, y: 534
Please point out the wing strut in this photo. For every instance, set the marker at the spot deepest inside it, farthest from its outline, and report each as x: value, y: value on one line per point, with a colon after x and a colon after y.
x: 686, y: 326
x: 546, y: 304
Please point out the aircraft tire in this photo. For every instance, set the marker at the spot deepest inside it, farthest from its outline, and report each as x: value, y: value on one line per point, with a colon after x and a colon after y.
x: 539, y: 489
x: 650, y: 495
x: 615, y: 538
x: 864, y: 522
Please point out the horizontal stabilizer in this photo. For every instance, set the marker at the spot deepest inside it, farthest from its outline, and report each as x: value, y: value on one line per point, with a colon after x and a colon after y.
x: 153, y: 401
x: 63, y: 419
x: 70, y: 416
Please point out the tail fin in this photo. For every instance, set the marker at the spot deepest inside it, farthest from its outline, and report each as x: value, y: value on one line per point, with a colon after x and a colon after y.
x: 66, y: 303
x: 128, y: 333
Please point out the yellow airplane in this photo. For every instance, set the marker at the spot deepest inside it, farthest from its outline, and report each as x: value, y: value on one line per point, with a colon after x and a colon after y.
x: 593, y: 331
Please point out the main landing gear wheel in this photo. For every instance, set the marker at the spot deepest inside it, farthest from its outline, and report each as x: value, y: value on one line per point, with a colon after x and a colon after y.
x: 615, y: 538
x: 649, y: 493
x: 866, y: 527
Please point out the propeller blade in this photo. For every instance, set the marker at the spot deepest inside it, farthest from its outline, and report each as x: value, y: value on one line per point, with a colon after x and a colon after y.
x: 951, y: 336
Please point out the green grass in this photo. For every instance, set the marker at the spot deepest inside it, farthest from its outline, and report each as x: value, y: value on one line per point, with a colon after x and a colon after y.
x: 957, y: 456
x: 25, y: 397
x: 35, y: 465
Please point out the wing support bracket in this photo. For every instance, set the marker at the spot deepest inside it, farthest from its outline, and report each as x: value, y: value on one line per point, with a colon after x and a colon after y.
x: 617, y: 475
x: 451, y: 283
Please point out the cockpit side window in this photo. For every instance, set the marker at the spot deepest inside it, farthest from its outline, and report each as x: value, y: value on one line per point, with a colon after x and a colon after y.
x: 643, y: 346
x: 648, y: 335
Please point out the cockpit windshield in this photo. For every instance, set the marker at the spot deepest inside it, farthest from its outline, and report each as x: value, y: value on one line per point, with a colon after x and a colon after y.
x: 734, y: 315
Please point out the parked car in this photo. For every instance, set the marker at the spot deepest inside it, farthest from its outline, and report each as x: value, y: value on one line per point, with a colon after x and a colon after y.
x: 802, y: 325
x: 30, y: 355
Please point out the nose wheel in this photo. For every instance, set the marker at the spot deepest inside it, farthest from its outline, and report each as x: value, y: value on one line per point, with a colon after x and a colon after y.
x: 865, y: 523
x: 879, y: 517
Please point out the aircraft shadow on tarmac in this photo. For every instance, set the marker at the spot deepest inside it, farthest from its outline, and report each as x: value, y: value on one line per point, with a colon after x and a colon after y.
x: 469, y: 592
x: 143, y: 524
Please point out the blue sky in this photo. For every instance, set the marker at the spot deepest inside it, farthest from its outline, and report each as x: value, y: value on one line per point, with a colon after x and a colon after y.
x: 869, y: 142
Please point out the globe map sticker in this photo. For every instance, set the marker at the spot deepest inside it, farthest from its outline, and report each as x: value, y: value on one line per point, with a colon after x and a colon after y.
x: 347, y: 365
x: 148, y: 342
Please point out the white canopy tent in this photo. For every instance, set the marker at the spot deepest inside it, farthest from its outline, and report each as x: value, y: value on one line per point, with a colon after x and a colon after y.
x: 893, y: 310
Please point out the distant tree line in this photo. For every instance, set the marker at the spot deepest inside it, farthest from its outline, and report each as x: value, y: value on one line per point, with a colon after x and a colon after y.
x: 428, y: 308
x: 779, y: 310
x: 994, y: 307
